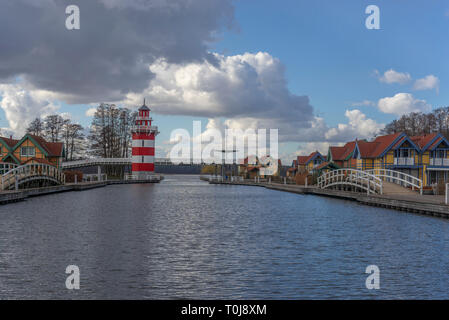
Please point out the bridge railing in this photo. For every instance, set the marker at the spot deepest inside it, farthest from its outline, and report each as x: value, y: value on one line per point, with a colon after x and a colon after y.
x: 95, y: 161
x: 6, y: 166
x: 397, y: 177
x: 351, y: 177
x: 28, y: 171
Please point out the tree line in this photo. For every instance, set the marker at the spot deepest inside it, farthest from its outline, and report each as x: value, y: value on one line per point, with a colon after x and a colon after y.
x: 418, y: 123
x: 109, y: 135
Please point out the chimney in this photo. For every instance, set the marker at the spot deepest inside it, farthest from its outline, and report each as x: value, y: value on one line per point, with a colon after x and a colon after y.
x: 10, y: 136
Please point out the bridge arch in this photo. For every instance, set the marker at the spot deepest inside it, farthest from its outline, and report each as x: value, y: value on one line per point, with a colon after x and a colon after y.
x: 33, y: 173
x: 351, y: 177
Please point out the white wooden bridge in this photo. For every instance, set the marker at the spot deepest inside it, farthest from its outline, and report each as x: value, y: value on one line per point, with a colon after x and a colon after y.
x: 34, y: 173
x: 375, y: 181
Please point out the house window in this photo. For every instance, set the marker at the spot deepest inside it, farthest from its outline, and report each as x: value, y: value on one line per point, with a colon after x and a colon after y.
x: 27, y: 152
x: 440, y: 154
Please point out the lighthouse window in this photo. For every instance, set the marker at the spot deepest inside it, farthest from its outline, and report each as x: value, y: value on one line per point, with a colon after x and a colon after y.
x: 143, y: 142
x: 143, y: 159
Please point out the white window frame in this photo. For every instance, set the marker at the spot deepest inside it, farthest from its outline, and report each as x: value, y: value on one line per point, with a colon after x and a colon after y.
x: 27, y: 152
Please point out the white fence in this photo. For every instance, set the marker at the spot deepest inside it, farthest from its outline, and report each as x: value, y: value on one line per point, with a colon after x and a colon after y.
x: 439, y: 162
x: 404, y: 161
x: 397, y: 177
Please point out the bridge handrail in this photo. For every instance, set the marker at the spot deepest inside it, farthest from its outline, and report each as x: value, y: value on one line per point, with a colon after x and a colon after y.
x: 388, y: 173
x: 101, y: 161
x: 354, y: 177
x: 31, y: 169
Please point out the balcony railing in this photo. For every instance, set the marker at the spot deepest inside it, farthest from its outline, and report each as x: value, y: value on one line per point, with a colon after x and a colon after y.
x: 439, y: 162
x: 404, y: 161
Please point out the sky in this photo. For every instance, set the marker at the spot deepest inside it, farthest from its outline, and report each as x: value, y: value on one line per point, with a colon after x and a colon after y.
x: 308, y: 68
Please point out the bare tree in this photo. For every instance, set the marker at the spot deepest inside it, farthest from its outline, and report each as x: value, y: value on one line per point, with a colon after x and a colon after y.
x: 36, y: 127
x: 421, y: 123
x: 73, y: 140
x: 53, y: 127
x: 110, y: 133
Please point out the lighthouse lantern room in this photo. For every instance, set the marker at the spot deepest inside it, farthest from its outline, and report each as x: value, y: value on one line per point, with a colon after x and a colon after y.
x: 143, y: 137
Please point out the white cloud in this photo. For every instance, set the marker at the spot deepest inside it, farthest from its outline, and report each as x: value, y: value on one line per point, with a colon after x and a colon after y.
x: 90, y: 112
x: 392, y: 76
x: 358, y: 126
x: 22, y: 104
x: 249, y: 88
x: 429, y: 82
x: 402, y: 103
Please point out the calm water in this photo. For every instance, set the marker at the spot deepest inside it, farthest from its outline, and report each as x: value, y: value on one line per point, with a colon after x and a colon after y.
x: 184, y: 238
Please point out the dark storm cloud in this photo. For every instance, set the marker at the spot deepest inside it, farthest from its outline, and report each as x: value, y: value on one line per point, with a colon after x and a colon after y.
x: 109, y: 56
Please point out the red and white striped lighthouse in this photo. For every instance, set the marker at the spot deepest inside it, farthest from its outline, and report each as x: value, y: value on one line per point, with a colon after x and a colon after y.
x: 144, y: 134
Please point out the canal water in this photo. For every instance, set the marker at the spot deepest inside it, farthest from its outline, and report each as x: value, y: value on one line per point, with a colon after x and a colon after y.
x: 184, y: 239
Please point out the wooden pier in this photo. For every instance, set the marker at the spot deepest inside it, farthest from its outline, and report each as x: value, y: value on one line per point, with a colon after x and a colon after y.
x: 408, y: 202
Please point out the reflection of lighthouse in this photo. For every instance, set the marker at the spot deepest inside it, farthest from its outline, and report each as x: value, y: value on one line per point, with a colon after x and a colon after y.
x: 143, y: 144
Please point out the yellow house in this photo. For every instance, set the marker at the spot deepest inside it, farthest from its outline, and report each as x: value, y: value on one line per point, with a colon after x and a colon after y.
x: 425, y: 157
x: 30, y: 149
x: 310, y: 162
x: 434, y: 157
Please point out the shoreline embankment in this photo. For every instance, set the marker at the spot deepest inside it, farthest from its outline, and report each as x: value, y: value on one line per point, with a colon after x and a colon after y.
x: 424, y: 205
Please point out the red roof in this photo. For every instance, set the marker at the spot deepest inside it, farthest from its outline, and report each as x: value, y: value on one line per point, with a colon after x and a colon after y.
x: 422, y: 141
x: 373, y: 149
x: 54, y: 149
x: 322, y: 165
x: 10, y: 142
x: 302, y: 160
x: 341, y: 153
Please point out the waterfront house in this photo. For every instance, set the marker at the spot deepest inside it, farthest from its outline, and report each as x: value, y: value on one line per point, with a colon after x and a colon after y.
x: 310, y: 162
x: 291, y: 172
x: 342, y: 156
x: 30, y: 149
x: 434, y: 157
x: 425, y: 157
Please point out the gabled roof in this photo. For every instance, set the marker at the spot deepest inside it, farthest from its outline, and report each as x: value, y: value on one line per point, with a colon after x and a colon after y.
x: 304, y: 160
x: 424, y: 140
x: 326, y: 165
x: 294, y: 163
x: 379, y: 146
x: 50, y: 149
x: 429, y: 141
x: 8, y: 142
x: 344, y: 152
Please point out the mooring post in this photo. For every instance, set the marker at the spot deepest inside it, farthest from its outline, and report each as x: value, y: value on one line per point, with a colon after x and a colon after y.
x: 99, y: 173
x: 285, y: 180
x: 306, y: 181
x: 76, y: 178
x: 17, y: 184
x: 447, y: 193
